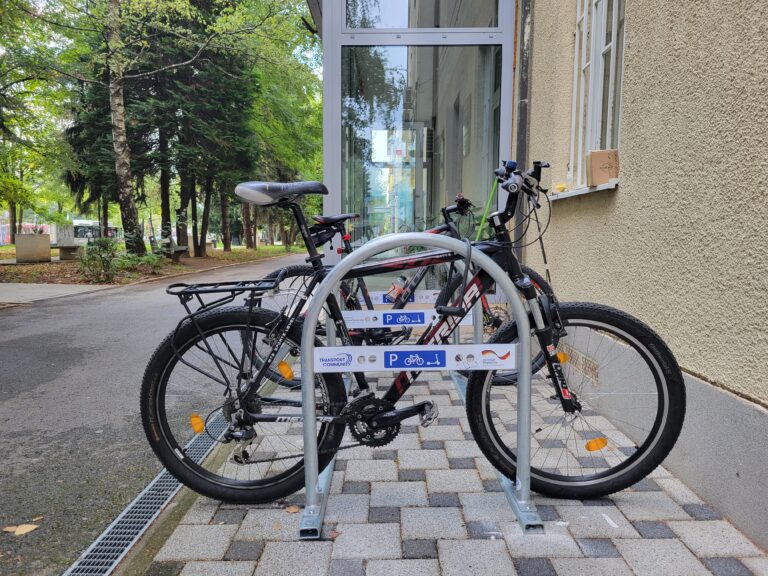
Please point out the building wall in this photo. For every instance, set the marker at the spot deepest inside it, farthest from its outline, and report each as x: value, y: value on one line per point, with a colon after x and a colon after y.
x: 683, y: 243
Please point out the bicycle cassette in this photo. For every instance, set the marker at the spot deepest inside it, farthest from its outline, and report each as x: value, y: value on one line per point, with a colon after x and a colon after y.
x: 360, y: 412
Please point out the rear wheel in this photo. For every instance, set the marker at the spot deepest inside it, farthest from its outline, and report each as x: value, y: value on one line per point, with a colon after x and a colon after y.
x: 632, y: 400
x: 194, y: 376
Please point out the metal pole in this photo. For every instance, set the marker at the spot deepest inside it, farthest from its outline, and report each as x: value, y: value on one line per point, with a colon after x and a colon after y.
x: 313, y: 513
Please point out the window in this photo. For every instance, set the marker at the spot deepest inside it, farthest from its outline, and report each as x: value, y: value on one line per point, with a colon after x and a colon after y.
x: 597, y: 71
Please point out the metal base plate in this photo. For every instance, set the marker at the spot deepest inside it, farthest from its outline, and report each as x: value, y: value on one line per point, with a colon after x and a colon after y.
x: 526, y: 512
x: 311, y: 525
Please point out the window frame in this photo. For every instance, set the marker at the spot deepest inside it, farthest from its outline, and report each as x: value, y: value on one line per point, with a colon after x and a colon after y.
x: 588, y: 83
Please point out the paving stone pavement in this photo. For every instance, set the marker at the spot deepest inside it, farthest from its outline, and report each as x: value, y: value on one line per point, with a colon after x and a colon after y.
x: 429, y: 504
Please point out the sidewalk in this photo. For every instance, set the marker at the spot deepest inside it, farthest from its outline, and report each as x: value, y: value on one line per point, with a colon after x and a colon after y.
x: 430, y: 504
x: 24, y: 293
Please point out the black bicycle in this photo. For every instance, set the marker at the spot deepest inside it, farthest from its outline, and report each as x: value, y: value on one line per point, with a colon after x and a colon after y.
x: 608, y: 406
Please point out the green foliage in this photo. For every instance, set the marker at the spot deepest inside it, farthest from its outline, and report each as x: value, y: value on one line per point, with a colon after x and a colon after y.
x: 100, y: 261
x: 97, y: 259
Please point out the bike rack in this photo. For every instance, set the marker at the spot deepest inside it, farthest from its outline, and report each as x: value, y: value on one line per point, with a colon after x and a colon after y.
x: 316, y: 491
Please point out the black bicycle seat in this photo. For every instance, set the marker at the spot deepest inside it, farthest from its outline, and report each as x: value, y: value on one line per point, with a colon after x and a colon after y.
x: 331, y: 220
x: 268, y: 193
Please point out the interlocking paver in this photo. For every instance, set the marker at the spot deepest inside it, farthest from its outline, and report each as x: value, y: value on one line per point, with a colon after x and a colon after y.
x: 269, y: 525
x: 648, y: 529
x: 219, y: 569
x: 713, y: 538
x: 649, y: 506
x: 453, y: 481
x: 295, y: 559
x: 556, y: 541
x: 444, y: 499
x: 228, y: 516
x: 483, y: 530
x: 596, y: 522
x: 462, y: 449
x: 347, y: 508
x: 726, y: 567
x: 384, y: 515
x: 474, y: 558
x: 367, y: 541
x: 347, y: 567
x: 759, y: 566
x: 598, y: 547
x: 419, y: 548
x: 591, y: 567
x: 432, y: 508
x: 411, y: 475
x: 399, y: 494
x: 432, y: 523
x: 702, y: 512
x: 244, y: 550
x: 442, y: 433
x: 197, y: 542
x: 678, y: 491
x: 484, y: 506
x: 422, y: 459
x: 403, y: 568
x: 370, y: 470
x: 534, y: 567
x: 654, y: 557
x: 200, y: 512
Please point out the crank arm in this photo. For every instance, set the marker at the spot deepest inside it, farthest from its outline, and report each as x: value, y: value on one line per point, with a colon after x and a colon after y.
x: 397, y: 416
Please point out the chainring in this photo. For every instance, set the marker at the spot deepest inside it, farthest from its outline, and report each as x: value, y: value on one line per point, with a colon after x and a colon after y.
x: 360, y: 412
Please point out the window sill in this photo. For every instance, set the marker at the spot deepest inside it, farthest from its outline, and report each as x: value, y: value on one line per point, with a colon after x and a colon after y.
x: 610, y: 185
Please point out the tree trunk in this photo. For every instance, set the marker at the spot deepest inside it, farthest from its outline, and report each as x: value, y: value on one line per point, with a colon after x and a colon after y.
x: 208, y: 191
x: 291, y: 237
x: 165, y: 184
x: 195, y: 237
x: 270, y: 231
x: 186, y: 191
x: 255, y: 227
x: 12, y: 220
x: 104, y: 216
x: 226, y: 233
x: 247, y: 224
x: 134, y: 240
x: 20, y: 219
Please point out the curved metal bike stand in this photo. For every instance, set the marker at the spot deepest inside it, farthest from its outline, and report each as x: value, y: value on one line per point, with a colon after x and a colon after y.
x: 317, y: 491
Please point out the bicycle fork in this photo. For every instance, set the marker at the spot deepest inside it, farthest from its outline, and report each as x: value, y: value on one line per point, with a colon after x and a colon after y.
x: 544, y: 328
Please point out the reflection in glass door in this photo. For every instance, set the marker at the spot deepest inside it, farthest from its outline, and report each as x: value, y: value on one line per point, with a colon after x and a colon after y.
x: 419, y: 125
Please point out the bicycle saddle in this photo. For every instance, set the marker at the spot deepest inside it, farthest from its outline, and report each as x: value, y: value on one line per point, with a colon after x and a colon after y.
x: 268, y: 193
x: 331, y: 220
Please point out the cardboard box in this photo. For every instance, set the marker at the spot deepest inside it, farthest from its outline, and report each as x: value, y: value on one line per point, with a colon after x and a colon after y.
x: 602, y: 166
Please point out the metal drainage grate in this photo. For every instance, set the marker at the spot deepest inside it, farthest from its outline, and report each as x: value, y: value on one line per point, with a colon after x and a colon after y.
x: 105, y: 553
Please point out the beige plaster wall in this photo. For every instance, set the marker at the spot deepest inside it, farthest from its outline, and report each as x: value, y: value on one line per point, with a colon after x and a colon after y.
x: 683, y: 243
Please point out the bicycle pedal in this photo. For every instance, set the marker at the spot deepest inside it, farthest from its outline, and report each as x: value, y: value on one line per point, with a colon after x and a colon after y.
x: 429, y: 415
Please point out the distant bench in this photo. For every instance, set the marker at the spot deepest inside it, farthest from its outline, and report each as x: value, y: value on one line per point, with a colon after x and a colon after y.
x: 66, y: 251
x: 167, y: 247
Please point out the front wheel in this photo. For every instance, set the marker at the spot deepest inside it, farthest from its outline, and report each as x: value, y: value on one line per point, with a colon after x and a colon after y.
x: 632, y: 400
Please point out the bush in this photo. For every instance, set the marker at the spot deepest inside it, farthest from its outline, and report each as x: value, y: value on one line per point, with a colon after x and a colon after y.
x: 100, y: 261
x: 97, y: 259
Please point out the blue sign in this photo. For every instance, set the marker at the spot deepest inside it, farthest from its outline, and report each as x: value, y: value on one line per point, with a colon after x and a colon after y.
x: 414, y: 359
x: 391, y: 299
x: 403, y: 318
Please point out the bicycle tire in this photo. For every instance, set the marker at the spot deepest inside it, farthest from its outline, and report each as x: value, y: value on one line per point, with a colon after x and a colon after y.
x: 624, y: 464
x: 446, y: 296
x: 167, y: 437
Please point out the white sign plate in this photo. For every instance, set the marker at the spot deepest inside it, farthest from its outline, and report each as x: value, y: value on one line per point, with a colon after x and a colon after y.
x: 394, y: 318
x: 423, y: 297
x: 416, y: 358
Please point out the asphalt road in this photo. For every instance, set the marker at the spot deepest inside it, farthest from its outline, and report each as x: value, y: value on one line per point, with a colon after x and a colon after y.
x: 72, y: 445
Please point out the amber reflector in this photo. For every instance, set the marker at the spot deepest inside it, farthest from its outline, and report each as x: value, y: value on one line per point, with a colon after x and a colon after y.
x: 596, y: 444
x: 562, y: 357
x: 285, y: 370
x: 198, y: 424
